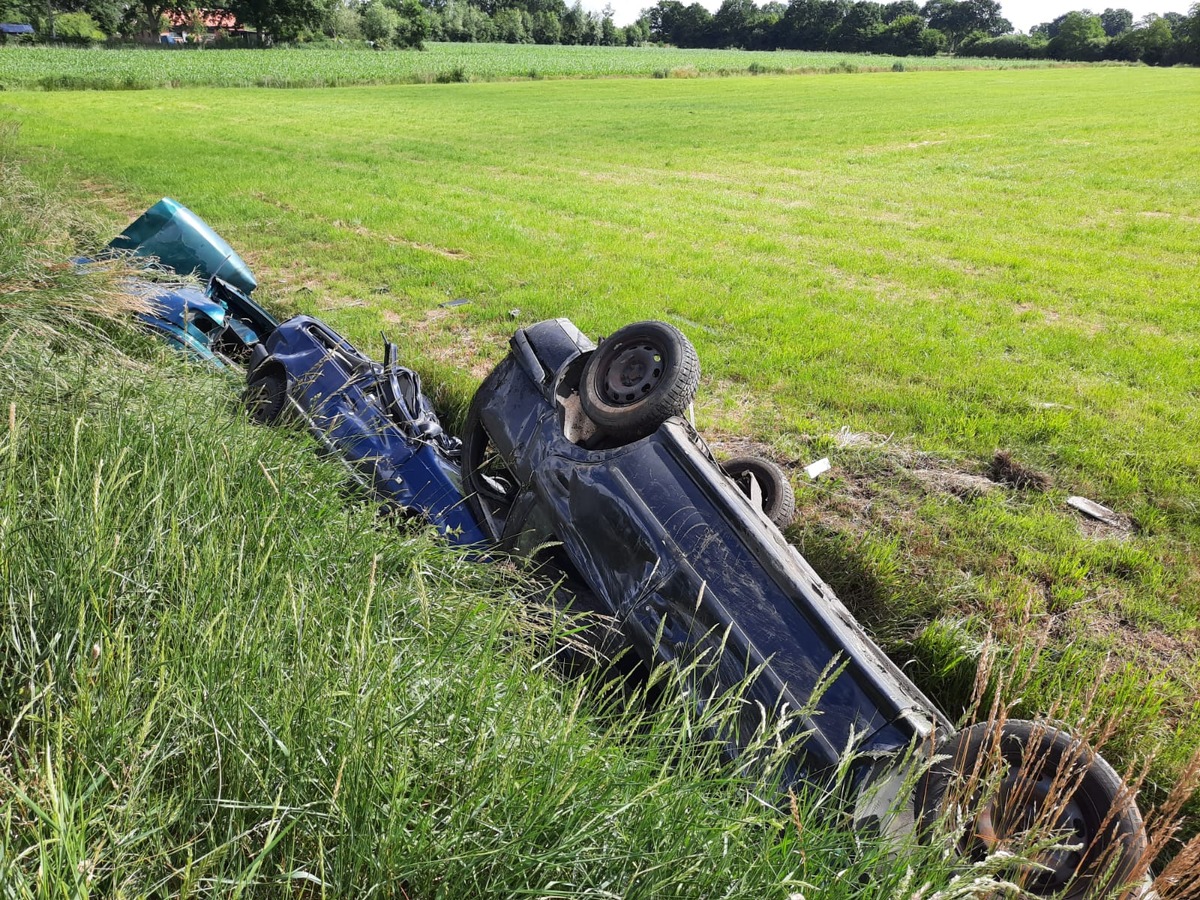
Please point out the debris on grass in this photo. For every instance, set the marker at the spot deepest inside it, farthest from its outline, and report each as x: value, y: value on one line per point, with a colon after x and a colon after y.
x: 1099, y: 521
x: 1094, y: 510
x: 961, y: 484
x: 847, y: 438
x: 1006, y: 470
x: 820, y: 467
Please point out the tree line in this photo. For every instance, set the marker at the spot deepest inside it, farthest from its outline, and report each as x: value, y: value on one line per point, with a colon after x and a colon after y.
x: 901, y: 28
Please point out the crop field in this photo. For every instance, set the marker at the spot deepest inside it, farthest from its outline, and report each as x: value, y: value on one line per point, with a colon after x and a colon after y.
x: 904, y: 272
x: 66, y: 68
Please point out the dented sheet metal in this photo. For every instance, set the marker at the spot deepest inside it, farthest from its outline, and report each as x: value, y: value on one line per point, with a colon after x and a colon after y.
x: 183, y: 242
x: 375, y: 418
x: 215, y: 321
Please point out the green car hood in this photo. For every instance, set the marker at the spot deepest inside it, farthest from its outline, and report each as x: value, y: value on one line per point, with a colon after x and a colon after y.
x: 182, y: 241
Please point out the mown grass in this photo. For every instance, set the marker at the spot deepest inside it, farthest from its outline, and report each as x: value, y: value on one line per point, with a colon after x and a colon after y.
x: 225, y: 675
x: 945, y: 264
x: 102, y: 69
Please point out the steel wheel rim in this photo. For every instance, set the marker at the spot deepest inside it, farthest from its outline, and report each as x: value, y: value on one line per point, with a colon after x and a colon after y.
x: 634, y: 372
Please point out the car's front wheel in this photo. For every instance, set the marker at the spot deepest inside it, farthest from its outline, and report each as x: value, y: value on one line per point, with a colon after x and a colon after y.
x: 1035, y: 791
x: 488, y: 483
x: 755, y: 475
x: 266, y: 395
x: 639, y: 377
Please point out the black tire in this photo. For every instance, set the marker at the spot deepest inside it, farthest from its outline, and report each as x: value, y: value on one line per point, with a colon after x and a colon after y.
x: 1095, y: 808
x: 778, y: 496
x: 638, y: 378
x: 487, y: 481
x: 266, y: 395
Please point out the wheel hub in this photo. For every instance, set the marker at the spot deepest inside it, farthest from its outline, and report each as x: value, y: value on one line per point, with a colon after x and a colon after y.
x: 1019, y: 807
x: 633, y: 374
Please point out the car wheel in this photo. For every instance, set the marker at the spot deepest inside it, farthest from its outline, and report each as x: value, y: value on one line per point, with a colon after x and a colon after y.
x: 638, y: 378
x: 778, y: 496
x: 1048, y: 781
x: 266, y: 395
x: 488, y: 483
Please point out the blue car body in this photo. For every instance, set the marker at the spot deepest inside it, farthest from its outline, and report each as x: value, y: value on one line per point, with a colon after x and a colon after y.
x: 218, y: 323
x: 373, y: 416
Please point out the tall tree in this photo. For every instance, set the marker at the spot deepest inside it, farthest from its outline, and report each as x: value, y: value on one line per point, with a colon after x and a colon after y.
x: 1192, y: 40
x: 811, y: 24
x: 1158, y: 43
x: 860, y: 27
x: 958, y: 18
x: 574, y: 24
x: 276, y: 19
x: 893, y: 11
x: 732, y: 24
x: 1115, y: 21
x: 145, y: 16
x: 1080, y: 36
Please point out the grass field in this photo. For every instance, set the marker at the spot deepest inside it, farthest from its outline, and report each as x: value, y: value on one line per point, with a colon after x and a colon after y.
x: 65, y: 68
x: 903, y: 271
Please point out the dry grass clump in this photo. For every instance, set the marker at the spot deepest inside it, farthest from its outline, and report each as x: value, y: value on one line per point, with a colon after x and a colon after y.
x: 1007, y: 470
x: 42, y: 292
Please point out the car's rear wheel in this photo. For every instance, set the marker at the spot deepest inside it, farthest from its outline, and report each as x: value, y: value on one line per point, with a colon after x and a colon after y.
x: 1004, y: 783
x: 638, y: 378
x: 266, y: 395
x: 776, y: 492
x: 488, y: 484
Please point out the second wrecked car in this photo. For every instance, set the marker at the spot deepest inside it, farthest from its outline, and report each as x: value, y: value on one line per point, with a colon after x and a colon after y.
x: 581, y: 454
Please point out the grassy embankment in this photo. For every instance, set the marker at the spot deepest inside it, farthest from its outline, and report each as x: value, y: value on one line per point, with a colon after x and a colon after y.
x: 77, y: 69
x: 941, y: 264
x: 224, y: 674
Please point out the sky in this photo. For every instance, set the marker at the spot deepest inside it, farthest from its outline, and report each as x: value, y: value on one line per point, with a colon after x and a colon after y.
x: 1024, y: 14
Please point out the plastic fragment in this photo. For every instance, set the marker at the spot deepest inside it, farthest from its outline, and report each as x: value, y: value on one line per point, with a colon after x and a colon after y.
x: 1094, y: 510
x: 820, y: 467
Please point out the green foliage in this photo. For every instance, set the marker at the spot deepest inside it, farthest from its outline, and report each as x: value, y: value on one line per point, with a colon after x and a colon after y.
x: 1080, y: 36
x: 63, y: 69
x: 1191, y: 37
x: 546, y: 28
x: 509, y: 26
x: 77, y: 28
x: 903, y: 36
x: 1116, y: 21
x: 413, y: 25
x: 343, y: 23
x: 379, y: 24
x: 1008, y: 46
x: 278, y: 20
x: 1158, y: 43
x: 932, y: 42
x: 957, y: 19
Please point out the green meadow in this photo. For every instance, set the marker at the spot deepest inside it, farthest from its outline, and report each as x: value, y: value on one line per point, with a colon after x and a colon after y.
x: 902, y: 271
